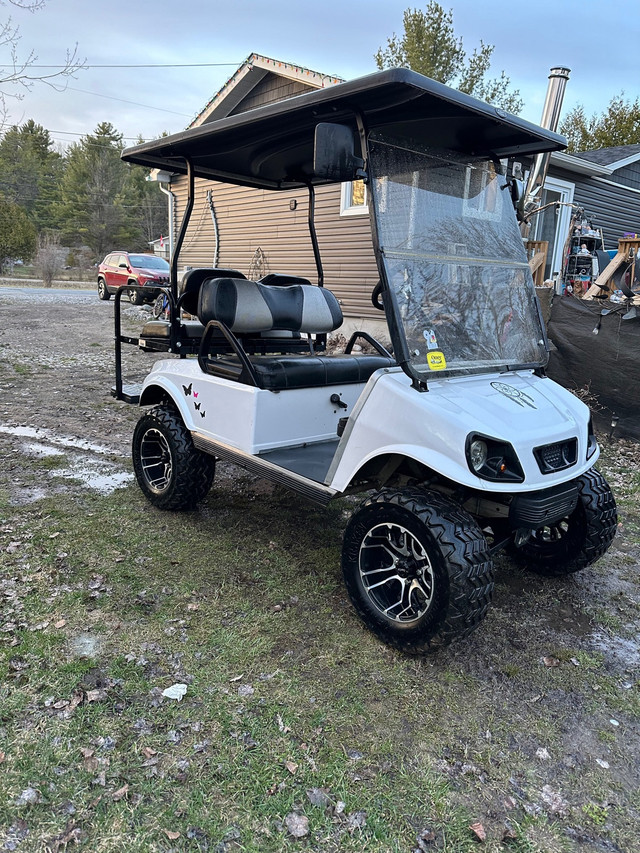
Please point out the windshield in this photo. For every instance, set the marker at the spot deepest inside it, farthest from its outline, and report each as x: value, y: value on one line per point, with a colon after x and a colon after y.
x: 454, y: 260
x: 150, y: 262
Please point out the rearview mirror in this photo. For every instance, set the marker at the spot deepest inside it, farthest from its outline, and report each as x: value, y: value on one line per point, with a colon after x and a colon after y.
x: 334, y: 157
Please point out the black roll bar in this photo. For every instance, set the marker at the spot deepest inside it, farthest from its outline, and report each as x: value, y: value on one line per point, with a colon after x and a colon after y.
x: 314, y: 236
x: 186, y: 216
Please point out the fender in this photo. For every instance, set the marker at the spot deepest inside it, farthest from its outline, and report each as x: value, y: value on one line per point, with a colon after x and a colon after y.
x: 157, y: 385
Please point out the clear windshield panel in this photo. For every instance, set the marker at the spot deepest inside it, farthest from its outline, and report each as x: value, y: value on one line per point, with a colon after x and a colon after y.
x: 455, y: 261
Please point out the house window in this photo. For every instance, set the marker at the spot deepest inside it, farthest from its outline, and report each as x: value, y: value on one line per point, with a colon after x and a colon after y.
x: 353, y: 198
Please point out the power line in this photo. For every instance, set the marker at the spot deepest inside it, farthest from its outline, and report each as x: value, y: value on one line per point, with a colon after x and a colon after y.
x: 134, y: 103
x: 163, y: 65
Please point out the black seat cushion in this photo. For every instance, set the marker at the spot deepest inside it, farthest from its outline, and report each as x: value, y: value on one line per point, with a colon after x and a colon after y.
x: 277, y: 373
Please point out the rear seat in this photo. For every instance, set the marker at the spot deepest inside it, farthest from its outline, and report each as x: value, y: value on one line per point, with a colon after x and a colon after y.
x: 239, y: 308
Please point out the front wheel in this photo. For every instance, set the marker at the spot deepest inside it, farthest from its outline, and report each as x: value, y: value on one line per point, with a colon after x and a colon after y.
x: 579, y: 539
x: 170, y: 471
x: 135, y: 296
x: 417, y: 568
x: 103, y: 292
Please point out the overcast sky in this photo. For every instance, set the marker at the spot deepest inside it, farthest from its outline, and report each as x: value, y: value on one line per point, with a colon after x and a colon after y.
x: 599, y: 41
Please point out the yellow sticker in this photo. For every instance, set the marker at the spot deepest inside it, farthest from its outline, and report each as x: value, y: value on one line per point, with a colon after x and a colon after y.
x: 436, y: 360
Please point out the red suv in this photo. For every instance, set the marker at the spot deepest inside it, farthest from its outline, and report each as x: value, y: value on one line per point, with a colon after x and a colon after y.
x: 143, y: 275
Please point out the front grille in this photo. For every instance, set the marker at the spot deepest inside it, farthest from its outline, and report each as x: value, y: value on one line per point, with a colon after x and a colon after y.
x: 538, y: 509
x: 556, y: 457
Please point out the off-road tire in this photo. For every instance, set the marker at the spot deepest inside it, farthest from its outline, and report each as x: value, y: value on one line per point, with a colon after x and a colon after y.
x: 578, y: 540
x: 459, y: 567
x: 135, y: 296
x: 103, y: 292
x: 182, y: 475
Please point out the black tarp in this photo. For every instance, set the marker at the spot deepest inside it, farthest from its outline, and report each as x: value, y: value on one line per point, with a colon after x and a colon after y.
x: 606, y: 365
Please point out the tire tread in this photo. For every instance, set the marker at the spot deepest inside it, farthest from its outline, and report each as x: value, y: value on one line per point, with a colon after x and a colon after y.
x: 465, y: 552
x: 194, y: 470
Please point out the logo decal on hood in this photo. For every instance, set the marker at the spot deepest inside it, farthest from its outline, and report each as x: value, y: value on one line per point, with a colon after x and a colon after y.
x: 514, y: 394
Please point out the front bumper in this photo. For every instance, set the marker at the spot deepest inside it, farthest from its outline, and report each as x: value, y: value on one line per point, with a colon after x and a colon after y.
x: 533, y: 510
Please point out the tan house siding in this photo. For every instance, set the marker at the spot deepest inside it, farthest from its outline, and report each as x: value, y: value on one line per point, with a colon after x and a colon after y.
x: 250, y: 219
x: 270, y: 90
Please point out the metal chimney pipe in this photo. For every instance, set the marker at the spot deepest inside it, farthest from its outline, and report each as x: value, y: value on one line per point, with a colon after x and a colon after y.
x: 558, y: 78
x: 555, y: 95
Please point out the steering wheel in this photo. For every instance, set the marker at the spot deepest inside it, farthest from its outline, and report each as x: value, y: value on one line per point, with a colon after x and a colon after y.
x: 376, y: 301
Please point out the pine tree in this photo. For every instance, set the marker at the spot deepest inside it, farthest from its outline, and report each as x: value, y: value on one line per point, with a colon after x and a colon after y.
x: 92, y: 207
x: 430, y: 46
x: 17, y: 234
x: 30, y: 171
x: 619, y: 124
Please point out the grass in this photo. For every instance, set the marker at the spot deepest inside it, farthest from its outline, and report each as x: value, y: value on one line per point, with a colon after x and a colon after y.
x: 292, y: 708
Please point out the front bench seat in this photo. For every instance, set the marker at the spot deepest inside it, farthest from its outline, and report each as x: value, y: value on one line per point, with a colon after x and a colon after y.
x: 241, y: 307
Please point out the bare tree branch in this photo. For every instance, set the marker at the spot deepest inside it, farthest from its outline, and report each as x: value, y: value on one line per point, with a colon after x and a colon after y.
x: 15, y: 76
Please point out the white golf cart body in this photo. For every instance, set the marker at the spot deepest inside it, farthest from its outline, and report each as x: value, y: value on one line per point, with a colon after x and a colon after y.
x: 469, y: 445
x: 387, y: 418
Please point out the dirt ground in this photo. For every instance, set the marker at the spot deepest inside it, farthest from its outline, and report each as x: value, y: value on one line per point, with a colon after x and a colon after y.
x: 56, y: 352
x: 64, y: 342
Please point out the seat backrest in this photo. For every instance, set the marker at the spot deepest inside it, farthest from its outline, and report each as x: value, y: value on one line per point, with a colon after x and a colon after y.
x: 282, y: 280
x: 248, y: 307
x: 191, y: 281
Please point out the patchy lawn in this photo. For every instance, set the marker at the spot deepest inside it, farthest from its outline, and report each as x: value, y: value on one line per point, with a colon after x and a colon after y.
x: 298, y: 730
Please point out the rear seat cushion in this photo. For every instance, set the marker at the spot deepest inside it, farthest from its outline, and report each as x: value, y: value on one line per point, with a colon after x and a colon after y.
x: 248, y: 307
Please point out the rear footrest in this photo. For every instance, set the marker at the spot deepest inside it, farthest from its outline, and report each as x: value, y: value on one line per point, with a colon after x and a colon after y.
x: 130, y: 393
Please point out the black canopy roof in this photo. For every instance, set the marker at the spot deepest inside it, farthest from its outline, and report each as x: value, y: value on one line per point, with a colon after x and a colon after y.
x: 272, y: 146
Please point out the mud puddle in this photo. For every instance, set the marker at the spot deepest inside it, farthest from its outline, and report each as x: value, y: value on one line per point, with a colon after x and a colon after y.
x: 81, y: 461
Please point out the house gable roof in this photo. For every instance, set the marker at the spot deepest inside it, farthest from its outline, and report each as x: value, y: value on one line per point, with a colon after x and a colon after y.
x: 250, y: 74
x: 614, y: 158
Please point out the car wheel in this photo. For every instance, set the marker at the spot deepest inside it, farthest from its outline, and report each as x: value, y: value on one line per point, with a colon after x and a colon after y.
x: 135, y: 296
x: 417, y: 568
x: 579, y: 539
x: 170, y: 471
x: 103, y: 292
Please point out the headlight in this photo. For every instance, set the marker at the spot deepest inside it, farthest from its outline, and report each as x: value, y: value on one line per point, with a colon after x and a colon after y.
x: 477, y: 454
x: 492, y: 459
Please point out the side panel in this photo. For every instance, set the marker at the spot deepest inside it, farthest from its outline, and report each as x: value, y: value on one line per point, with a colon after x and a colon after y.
x: 251, y: 419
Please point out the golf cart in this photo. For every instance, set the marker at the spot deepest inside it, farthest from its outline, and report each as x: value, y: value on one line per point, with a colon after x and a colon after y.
x: 451, y: 426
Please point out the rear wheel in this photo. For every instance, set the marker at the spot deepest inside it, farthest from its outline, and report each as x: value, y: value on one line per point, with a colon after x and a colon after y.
x: 417, y: 569
x: 579, y: 539
x: 169, y: 469
x: 103, y: 293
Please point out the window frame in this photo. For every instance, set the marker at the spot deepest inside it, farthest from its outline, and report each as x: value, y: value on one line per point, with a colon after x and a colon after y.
x: 348, y: 209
